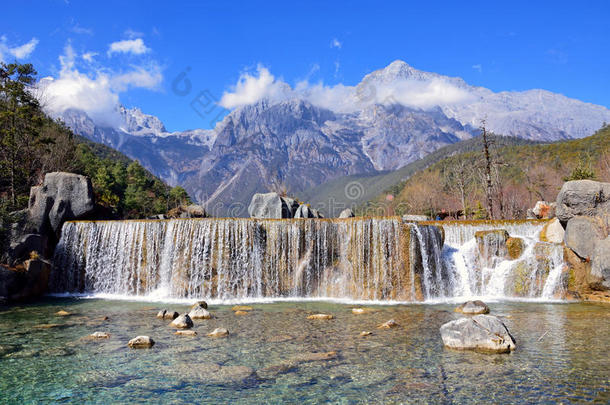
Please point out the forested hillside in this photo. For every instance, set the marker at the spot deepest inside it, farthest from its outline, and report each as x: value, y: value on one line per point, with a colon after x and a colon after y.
x: 334, y: 196
x: 520, y: 176
x: 32, y: 144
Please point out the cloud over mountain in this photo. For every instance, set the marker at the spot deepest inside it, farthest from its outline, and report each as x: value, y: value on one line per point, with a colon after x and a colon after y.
x: 94, y: 91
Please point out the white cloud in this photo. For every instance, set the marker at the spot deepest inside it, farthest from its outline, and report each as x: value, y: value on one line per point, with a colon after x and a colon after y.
x: 410, y: 92
x: 335, y: 43
x: 96, y: 92
x: 135, y: 46
x: 18, y: 52
x: 478, y: 67
x: 88, y: 56
x: 250, y: 89
x: 131, y: 34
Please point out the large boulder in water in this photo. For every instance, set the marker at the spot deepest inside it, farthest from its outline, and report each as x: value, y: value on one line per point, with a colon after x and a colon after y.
x: 484, y: 333
x: 582, y: 197
x: 62, y: 197
x: 583, y: 233
x: 271, y: 205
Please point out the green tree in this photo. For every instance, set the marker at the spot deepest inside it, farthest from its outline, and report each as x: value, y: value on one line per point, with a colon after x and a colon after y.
x: 20, y: 122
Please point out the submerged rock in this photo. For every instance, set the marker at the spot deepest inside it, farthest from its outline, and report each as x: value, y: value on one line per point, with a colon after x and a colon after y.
x: 140, y: 342
x: 365, y: 333
x: 219, y: 332
x: 240, y: 313
x: 275, y: 370
x: 99, y: 335
x: 182, y: 322
x: 242, y: 308
x: 320, y: 316
x: 473, y: 308
x: 483, y: 333
x: 388, y: 325
x: 307, y: 357
x: 199, y: 313
x: 62, y: 313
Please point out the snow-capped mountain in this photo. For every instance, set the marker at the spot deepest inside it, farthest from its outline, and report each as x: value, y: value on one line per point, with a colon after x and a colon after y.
x: 392, y: 117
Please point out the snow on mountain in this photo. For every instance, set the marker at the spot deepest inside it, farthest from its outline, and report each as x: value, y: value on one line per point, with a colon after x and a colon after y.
x: 309, y: 136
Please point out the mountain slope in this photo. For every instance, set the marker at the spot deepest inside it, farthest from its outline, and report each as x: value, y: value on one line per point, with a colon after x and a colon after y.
x: 355, y: 190
x: 523, y: 174
x: 301, y: 140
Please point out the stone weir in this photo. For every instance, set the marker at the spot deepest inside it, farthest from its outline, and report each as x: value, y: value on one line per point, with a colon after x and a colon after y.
x: 226, y: 258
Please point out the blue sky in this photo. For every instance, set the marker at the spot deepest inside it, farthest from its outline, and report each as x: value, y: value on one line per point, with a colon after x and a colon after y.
x: 559, y: 46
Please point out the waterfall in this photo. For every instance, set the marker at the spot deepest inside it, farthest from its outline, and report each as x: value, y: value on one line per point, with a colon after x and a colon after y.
x: 483, y: 269
x: 237, y: 259
x: 383, y: 259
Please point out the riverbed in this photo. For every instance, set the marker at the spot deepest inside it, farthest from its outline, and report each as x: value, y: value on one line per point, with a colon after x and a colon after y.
x: 274, y: 354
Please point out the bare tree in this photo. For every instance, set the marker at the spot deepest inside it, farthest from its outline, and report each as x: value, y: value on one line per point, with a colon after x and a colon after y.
x: 488, y: 165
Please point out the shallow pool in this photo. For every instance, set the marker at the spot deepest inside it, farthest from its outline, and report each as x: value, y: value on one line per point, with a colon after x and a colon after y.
x: 275, y: 355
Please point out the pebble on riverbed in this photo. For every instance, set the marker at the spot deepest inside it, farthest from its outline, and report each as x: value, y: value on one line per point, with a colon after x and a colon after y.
x: 360, y: 311
x: 365, y: 333
x: 320, y: 316
x: 62, y: 313
x: 388, y: 325
x: 99, y: 335
x: 219, y: 332
x: 185, y: 333
x: 241, y: 308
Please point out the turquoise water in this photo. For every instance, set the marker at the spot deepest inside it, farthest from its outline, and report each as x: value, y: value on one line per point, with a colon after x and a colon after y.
x: 561, y: 355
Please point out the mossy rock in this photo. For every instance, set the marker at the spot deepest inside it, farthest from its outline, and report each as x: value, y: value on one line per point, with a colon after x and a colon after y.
x: 515, y: 247
x: 521, y: 279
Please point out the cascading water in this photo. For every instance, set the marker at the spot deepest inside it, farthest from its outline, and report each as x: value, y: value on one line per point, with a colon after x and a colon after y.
x: 481, y: 269
x: 238, y: 259
x: 357, y: 259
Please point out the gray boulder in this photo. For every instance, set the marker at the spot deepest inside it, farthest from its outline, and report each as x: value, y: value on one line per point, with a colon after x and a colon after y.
x: 600, y: 263
x: 291, y: 206
x: 582, y: 197
x: 270, y: 205
x: 62, y: 197
x: 484, y: 333
x: 304, y: 211
x: 347, y: 213
x: 582, y: 234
